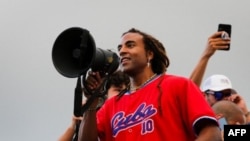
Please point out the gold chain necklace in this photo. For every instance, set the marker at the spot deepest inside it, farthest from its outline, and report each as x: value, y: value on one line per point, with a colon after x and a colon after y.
x: 142, y: 85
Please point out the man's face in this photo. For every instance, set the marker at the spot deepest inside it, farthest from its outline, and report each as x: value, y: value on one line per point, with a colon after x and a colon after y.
x: 239, y: 120
x: 132, y: 53
x: 210, y: 99
x: 214, y: 96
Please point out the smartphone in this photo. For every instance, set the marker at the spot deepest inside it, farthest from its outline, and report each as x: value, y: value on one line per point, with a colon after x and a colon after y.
x: 222, y: 121
x: 227, y: 28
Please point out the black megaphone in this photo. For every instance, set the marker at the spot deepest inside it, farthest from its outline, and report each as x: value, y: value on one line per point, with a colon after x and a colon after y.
x: 74, y: 53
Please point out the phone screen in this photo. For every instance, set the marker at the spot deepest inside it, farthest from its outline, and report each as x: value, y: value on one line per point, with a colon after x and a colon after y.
x: 222, y: 121
x: 227, y: 28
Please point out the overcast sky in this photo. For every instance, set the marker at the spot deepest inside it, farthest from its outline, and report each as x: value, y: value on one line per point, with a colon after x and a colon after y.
x: 37, y: 102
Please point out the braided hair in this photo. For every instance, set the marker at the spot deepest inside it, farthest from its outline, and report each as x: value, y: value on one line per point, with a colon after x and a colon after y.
x: 159, y: 63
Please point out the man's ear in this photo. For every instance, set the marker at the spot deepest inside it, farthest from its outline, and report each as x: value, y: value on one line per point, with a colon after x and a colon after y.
x: 218, y: 116
x: 150, y: 55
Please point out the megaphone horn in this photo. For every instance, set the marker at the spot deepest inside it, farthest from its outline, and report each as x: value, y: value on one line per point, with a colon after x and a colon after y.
x: 74, y: 53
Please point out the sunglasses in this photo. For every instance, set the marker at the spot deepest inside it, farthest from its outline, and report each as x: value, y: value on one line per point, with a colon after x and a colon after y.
x: 219, y: 95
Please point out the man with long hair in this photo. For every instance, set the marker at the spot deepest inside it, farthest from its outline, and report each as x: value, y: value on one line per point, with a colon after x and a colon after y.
x: 154, y: 106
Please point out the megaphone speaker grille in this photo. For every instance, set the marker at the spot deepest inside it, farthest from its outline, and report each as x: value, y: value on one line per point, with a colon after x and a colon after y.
x: 73, y: 52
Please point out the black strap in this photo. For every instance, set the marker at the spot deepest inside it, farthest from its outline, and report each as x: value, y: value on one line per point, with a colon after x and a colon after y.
x: 78, y: 108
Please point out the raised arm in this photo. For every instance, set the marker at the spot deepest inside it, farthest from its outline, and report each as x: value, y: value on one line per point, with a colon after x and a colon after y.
x: 214, y: 43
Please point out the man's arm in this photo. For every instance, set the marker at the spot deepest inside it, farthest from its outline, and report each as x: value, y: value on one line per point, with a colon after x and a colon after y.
x: 70, y: 131
x: 88, y: 127
x: 68, y: 134
x: 210, y: 133
x: 207, y: 130
x: 214, y: 43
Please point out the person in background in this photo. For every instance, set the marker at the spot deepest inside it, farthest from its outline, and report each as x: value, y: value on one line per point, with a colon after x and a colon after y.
x: 215, y: 42
x: 155, y: 106
x: 228, y: 113
x: 240, y: 102
x: 69, y: 133
x: 217, y: 87
x: 117, y: 82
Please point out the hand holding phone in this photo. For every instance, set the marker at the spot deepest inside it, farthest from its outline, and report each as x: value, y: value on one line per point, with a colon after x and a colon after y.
x: 227, y: 28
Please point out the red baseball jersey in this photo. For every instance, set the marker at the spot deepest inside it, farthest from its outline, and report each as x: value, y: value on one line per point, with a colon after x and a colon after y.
x: 166, y: 108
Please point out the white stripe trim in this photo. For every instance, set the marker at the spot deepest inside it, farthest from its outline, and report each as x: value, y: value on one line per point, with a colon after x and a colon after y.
x: 203, y: 117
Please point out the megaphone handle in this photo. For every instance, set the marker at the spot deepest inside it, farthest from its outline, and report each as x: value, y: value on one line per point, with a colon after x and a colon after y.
x: 83, y: 109
x: 89, y: 102
x: 97, y: 93
x: 78, y: 98
x: 75, y: 137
